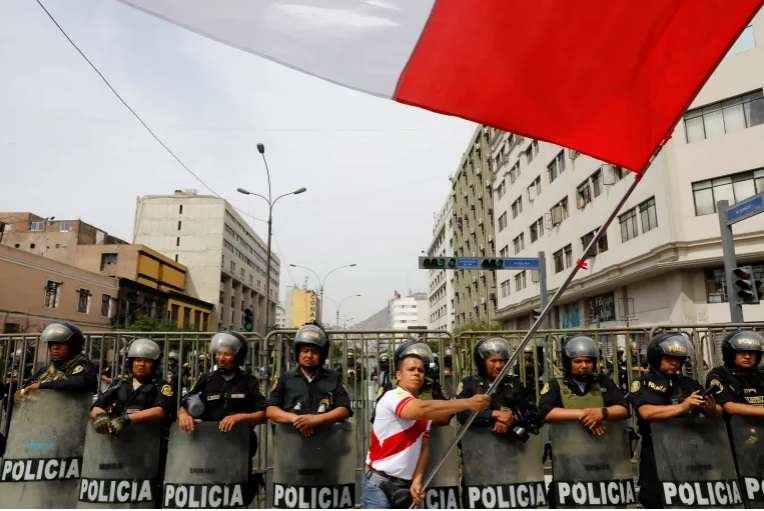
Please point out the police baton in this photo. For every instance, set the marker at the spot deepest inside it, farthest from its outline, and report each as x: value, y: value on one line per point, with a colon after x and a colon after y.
x: 581, y: 263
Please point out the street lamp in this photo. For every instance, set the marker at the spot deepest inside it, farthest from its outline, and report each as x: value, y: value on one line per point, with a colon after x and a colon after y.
x: 271, y: 203
x: 338, y: 305
x: 321, y: 283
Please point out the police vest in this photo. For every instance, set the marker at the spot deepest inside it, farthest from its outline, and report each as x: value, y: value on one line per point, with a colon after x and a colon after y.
x: 52, y: 373
x: 592, y: 399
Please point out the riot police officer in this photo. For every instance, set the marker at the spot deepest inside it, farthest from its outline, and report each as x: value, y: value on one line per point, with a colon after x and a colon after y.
x: 583, y: 394
x: 739, y: 382
x: 511, y: 411
x: 227, y: 395
x: 309, y: 395
x: 660, y: 394
x: 69, y: 369
x: 139, y: 398
x: 171, y: 371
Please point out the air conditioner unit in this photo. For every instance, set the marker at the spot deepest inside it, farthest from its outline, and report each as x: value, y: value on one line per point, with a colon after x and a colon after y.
x: 573, y: 154
x: 608, y: 175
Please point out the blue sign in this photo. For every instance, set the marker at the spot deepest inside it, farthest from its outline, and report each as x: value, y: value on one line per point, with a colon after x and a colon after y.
x: 465, y: 263
x: 521, y: 263
x: 745, y: 209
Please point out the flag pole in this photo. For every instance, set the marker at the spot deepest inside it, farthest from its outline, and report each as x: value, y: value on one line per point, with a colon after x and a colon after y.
x: 580, y: 264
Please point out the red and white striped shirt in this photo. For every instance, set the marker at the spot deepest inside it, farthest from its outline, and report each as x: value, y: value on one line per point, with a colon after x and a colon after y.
x: 395, y: 442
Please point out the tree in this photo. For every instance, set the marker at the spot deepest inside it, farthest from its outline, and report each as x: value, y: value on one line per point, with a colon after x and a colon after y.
x: 145, y: 323
x: 481, y: 326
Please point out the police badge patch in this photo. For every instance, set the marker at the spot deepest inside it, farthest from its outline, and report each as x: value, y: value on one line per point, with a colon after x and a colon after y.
x: 716, y: 382
x: 459, y: 388
x: 166, y: 390
x: 545, y: 389
x: 78, y: 370
x: 634, y: 386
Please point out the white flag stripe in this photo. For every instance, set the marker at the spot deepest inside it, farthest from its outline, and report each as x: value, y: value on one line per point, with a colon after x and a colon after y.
x: 360, y: 44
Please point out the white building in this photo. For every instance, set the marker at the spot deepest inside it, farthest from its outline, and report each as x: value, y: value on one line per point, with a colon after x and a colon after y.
x: 226, y: 260
x: 441, y: 290
x: 661, y: 259
x: 409, y: 312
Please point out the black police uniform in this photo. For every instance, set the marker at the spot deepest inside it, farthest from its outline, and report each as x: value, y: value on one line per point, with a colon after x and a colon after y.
x: 509, y: 396
x: 121, y: 397
x: 294, y: 393
x: 78, y: 374
x: 737, y: 386
x: 222, y: 397
x: 551, y: 397
x: 653, y: 388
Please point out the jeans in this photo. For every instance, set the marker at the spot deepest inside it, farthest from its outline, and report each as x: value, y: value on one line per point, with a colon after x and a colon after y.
x: 371, y: 495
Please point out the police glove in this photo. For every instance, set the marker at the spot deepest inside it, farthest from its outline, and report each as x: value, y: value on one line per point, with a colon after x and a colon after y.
x: 101, y: 423
x: 118, y: 424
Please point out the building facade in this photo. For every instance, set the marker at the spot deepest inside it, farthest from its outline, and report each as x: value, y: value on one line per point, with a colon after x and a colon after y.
x: 441, y: 287
x: 303, y: 306
x: 409, y: 312
x: 660, y: 261
x: 225, y: 258
x: 37, y: 290
x: 473, y: 231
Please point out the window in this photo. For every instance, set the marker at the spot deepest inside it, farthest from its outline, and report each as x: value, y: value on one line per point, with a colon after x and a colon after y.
x: 558, y: 261
x: 504, y: 252
x: 716, y: 282
x: 531, y: 151
x: 174, y: 312
x: 537, y: 229
x: 597, y: 183
x: 502, y: 221
x: 556, y: 166
x: 601, y: 245
x: 628, y: 223
x: 583, y: 195
x: 514, y: 172
x: 519, y: 243
x: 568, y: 252
x: 648, y: 215
x: 107, y: 260
x: 179, y: 224
x: 745, y: 42
x: 63, y: 226
x: 725, y: 116
x: 563, y: 258
x: 52, y: 294
x: 180, y: 209
x: 505, y: 288
x: 176, y: 258
x: 501, y: 189
x: 36, y: 226
x: 187, y: 317
x: 534, y: 189
x: 732, y: 188
x: 559, y: 212
x: 520, y: 281
x: 83, y: 301
x: 517, y: 207
x: 105, y: 303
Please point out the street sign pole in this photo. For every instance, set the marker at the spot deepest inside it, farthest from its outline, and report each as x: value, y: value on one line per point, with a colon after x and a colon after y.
x: 542, y: 288
x: 728, y: 255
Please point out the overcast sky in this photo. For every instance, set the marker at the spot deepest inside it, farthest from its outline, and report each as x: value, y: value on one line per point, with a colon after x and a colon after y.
x: 375, y: 170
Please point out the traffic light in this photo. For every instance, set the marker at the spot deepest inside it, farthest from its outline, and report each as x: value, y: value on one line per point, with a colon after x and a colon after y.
x: 492, y: 264
x: 745, y: 285
x: 249, y: 320
x: 437, y: 263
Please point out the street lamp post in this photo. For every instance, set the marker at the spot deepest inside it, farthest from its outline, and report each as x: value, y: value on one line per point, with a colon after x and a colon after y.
x: 321, y: 283
x: 271, y: 203
x: 338, y: 305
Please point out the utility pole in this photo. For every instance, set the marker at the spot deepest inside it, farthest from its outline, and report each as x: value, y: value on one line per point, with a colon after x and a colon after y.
x: 728, y: 255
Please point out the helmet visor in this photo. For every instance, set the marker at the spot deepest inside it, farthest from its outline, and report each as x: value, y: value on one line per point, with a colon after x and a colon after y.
x: 676, y: 346
x: 494, y: 346
x: 56, y: 333
x: 746, y: 341
x: 420, y: 350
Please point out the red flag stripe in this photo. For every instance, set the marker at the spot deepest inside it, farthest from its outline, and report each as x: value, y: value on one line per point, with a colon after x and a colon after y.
x: 395, y: 443
x: 402, y: 404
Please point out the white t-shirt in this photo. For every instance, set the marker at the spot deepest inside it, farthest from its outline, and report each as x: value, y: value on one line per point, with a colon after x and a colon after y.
x: 395, y: 442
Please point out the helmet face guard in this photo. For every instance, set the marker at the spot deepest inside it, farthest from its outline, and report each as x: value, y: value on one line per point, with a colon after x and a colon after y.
x: 577, y: 347
x: 742, y: 341
x: 487, y: 347
x: 144, y: 348
x: 415, y: 348
x: 63, y: 333
x: 669, y: 344
x: 230, y: 341
x: 311, y: 335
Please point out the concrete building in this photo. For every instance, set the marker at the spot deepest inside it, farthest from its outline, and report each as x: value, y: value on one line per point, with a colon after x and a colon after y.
x: 441, y: 290
x: 303, y: 305
x: 37, y: 290
x: 151, y: 284
x: 473, y: 217
x: 660, y: 261
x: 226, y: 260
x: 409, y: 312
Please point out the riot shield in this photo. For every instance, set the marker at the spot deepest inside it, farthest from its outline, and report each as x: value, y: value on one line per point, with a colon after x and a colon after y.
x: 502, y: 472
x: 43, y: 458
x: 747, y: 435
x: 317, y: 472
x: 589, y: 471
x: 694, y: 462
x: 443, y: 492
x: 121, y: 472
x: 207, y: 468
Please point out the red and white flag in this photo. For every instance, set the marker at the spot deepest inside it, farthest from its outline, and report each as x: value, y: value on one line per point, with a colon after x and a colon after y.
x: 608, y: 78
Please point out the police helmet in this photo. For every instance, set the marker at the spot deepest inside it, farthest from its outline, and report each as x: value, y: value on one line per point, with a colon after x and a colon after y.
x: 671, y: 344
x: 312, y: 334
x: 233, y: 341
x: 415, y: 348
x: 64, y: 332
x: 742, y: 340
x: 172, y: 355
x: 487, y: 346
x: 144, y: 348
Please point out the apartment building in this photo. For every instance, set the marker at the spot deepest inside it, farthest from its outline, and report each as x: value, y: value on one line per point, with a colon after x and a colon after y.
x: 225, y: 258
x: 302, y: 306
x: 408, y: 312
x: 441, y: 287
x: 660, y: 260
